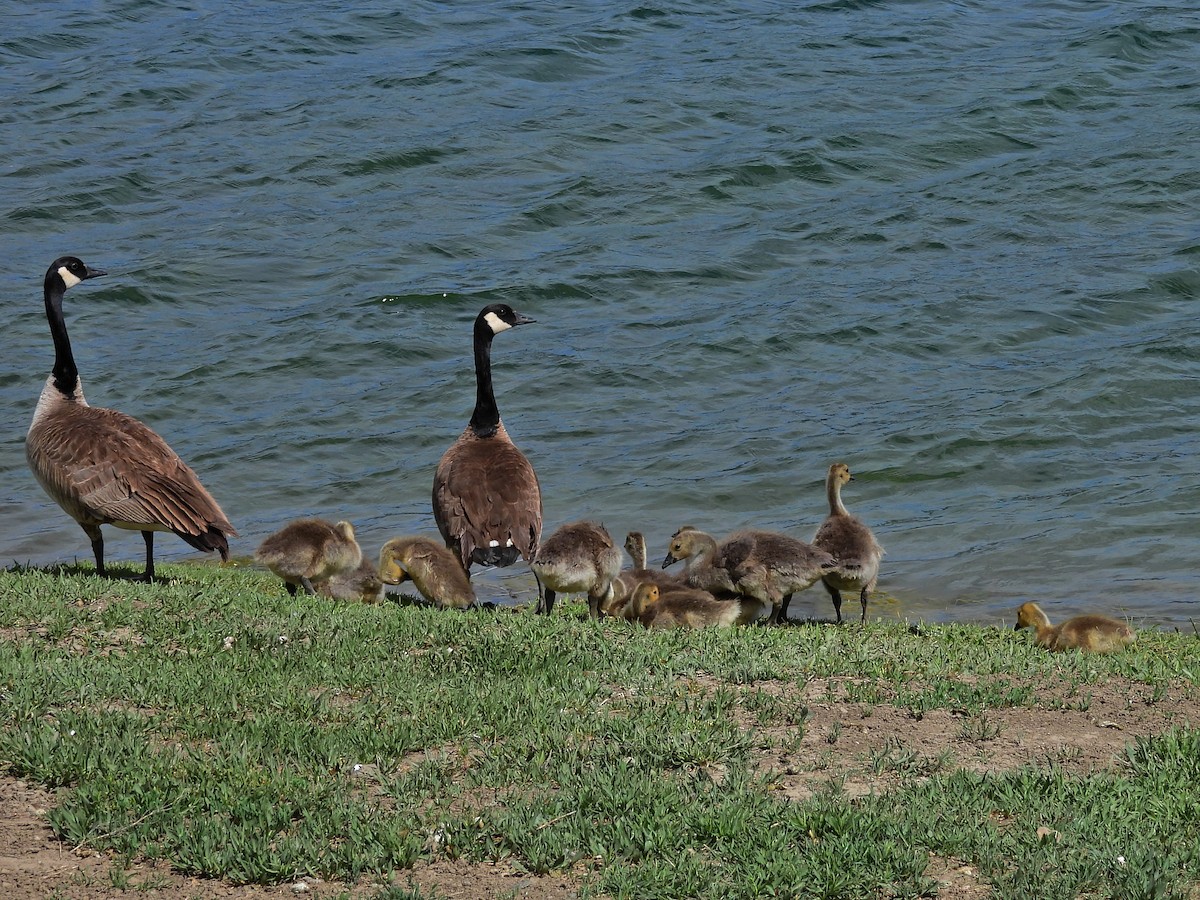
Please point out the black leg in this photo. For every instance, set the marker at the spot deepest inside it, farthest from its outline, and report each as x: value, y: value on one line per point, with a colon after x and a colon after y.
x: 783, y: 616
x: 546, y: 601
x: 836, y: 596
x: 97, y: 539
x: 291, y: 588
x: 863, y: 598
x: 308, y: 585
x: 148, y: 537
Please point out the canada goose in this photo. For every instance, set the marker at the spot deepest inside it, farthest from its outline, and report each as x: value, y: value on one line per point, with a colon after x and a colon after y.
x: 683, y: 607
x: 432, y: 568
x: 361, y: 583
x: 104, y: 467
x: 627, y: 581
x: 577, y: 558
x: 486, y: 497
x: 310, y: 550
x: 1094, y: 633
x: 765, y: 565
x: 850, y: 542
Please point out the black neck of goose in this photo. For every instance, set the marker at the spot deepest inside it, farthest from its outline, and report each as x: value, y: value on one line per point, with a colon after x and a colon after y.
x: 66, y: 374
x: 486, y: 418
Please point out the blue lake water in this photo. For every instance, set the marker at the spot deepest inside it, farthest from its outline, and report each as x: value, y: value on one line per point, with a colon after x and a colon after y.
x: 954, y: 245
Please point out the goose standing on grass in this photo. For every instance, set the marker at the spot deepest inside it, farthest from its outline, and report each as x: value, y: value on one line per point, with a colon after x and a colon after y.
x: 766, y: 565
x: 850, y: 542
x: 486, y: 499
x: 310, y: 550
x: 1093, y: 633
x: 104, y: 467
x: 433, y: 569
x: 577, y: 558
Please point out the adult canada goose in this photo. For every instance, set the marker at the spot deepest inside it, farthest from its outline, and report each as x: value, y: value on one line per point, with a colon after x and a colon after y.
x: 850, y: 542
x: 433, y: 569
x: 684, y: 607
x: 1093, y: 633
x: 361, y: 583
x: 765, y: 565
x: 627, y: 581
x: 486, y: 497
x: 577, y: 558
x: 104, y: 467
x: 310, y: 550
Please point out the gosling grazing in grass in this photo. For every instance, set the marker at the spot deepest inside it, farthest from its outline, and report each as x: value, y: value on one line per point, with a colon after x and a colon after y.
x: 361, y: 584
x: 577, y: 558
x: 104, y: 467
x: 850, y: 542
x: 434, y: 570
x: 627, y: 581
x: 1093, y: 633
x: 307, y: 551
x: 765, y: 565
x: 486, y: 498
x: 683, y: 607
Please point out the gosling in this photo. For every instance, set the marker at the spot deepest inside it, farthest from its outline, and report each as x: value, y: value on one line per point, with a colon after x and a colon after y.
x: 1091, y: 633
x: 310, y: 550
x: 851, y: 542
x: 434, y: 570
x: 577, y: 558
x: 361, y: 584
x: 627, y: 581
x: 765, y: 565
x: 686, y: 608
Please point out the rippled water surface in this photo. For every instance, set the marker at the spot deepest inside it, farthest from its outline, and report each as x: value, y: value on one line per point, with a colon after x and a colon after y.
x: 954, y: 245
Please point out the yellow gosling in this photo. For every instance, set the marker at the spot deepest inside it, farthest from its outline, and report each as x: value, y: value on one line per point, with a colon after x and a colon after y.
x: 434, y: 570
x: 1092, y: 633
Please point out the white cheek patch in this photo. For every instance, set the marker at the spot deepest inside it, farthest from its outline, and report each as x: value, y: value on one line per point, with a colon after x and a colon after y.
x: 495, y: 323
x: 68, y: 279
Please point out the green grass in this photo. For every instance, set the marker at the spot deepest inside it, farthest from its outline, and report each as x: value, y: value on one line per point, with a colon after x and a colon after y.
x: 214, y: 722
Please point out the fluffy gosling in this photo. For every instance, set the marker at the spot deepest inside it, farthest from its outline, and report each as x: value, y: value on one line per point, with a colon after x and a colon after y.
x: 309, y: 550
x: 1092, y: 633
x: 434, y: 570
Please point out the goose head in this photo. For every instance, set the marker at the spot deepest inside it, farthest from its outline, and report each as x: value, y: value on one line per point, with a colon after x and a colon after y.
x: 72, y: 270
x: 500, y: 317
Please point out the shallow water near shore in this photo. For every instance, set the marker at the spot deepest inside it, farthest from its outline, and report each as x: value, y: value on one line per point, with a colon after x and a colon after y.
x: 954, y: 246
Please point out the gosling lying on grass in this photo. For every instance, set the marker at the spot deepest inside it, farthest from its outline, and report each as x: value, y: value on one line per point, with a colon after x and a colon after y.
x: 1093, y: 633
x: 360, y: 584
x: 687, y: 608
x: 627, y: 581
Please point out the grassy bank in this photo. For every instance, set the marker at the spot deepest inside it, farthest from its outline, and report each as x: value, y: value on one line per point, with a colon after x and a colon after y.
x: 213, y: 722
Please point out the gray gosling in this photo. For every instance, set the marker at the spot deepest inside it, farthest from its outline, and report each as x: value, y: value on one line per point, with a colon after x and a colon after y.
x: 627, y: 581
x: 361, y: 584
x: 765, y: 565
x: 685, y: 607
x: 310, y: 550
x: 577, y: 558
x: 850, y: 542
x: 1091, y: 633
x: 433, y: 569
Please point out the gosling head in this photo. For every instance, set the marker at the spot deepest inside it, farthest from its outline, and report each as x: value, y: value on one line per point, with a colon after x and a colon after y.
x: 839, y: 473
x: 681, y: 547
x: 391, y: 565
x: 646, y: 594
x: 1030, y: 615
